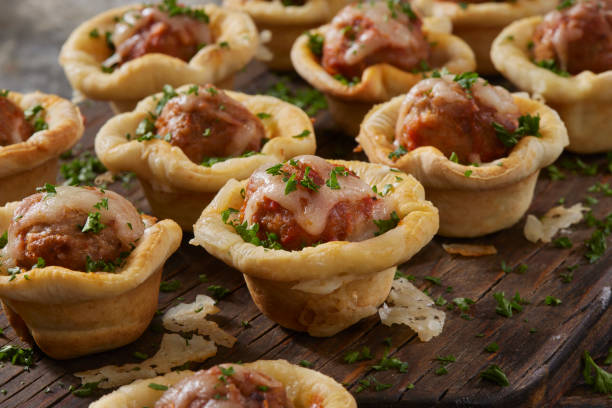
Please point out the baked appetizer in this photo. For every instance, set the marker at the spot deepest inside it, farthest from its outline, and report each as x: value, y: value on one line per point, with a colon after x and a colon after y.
x: 263, y: 383
x: 286, y: 20
x: 566, y: 59
x: 184, y: 144
x: 81, y: 269
x: 478, y: 22
x: 372, y: 51
x: 476, y: 148
x: 131, y: 52
x: 35, y: 129
x: 318, y: 241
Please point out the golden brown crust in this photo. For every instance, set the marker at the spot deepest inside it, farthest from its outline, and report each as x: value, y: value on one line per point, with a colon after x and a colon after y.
x: 305, y: 387
x: 32, y: 163
x: 81, y: 56
x: 91, y: 312
x: 494, y: 196
x: 170, y: 178
x: 584, y: 101
x: 478, y: 24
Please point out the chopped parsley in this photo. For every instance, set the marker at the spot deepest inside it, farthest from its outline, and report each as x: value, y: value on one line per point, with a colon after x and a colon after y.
x: 168, y: 93
x: 566, y: 4
x: 505, y: 306
x: 103, y: 203
x: 463, y: 303
x: 454, y: 158
x: 528, y: 125
x: 93, y: 223
x: 4, y: 93
x: 306, y: 363
x: 372, y: 383
x: 551, y: 65
x: 347, y: 82
x: 291, y: 184
x: 35, y: 113
x: 315, y: 43
x: 596, y: 245
x: 49, y: 189
x: 387, y: 363
x: 361, y: 355
x: 169, y: 286
x: 306, y: 98
x: 552, y: 301
x: 601, y: 381
x: 249, y: 234
x: 86, y: 390
x: 399, y: 275
x: 492, y: 348
x: 263, y: 115
x: 17, y: 355
x: 158, y: 387
x: 303, y: 134
x: 105, y: 266
x: 94, y: 33
x: 82, y: 171
x: 434, y: 280
x: 562, y: 242
x: 173, y: 9
x: 397, y: 153
x: 495, y: 375
x: 332, y: 182
x: 3, y: 239
x: 466, y: 80
x: 218, y: 292
x: 387, y: 225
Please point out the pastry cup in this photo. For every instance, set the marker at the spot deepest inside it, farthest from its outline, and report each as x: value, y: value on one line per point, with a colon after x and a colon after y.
x: 178, y: 188
x: 494, y: 195
x: 583, y: 101
x: 72, y: 313
x: 34, y: 162
x: 379, y: 83
x: 327, y: 288
x: 286, y: 23
x: 305, y: 388
x: 478, y: 24
x: 82, y: 56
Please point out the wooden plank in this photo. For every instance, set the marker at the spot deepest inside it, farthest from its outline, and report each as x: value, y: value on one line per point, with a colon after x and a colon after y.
x: 532, y: 361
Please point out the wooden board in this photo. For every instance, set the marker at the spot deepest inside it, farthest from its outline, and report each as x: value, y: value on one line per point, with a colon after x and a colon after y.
x: 542, y: 365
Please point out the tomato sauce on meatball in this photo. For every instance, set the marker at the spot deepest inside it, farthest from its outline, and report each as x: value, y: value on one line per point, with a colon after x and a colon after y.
x: 577, y: 38
x: 442, y: 113
x: 294, y: 201
x: 226, y: 386
x: 152, y: 30
x: 14, y: 128
x: 72, y: 227
x: 210, y: 124
x: 370, y: 33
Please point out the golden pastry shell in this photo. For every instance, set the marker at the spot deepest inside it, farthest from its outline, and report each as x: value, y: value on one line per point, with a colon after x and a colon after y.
x: 583, y: 101
x: 305, y: 387
x: 34, y: 162
x: 495, y: 195
x: 72, y: 313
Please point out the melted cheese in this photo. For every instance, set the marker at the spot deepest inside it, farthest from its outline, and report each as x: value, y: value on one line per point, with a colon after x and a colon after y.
x: 311, y: 209
x: 51, y: 210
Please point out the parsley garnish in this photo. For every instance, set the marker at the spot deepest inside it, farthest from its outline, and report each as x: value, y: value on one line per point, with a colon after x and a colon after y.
x: 387, y: 225
x: 387, y: 363
x: 373, y: 383
x: 86, y: 390
x: 463, y: 303
x: 4, y: 93
x: 158, y: 387
x: 306, y: 363
x: 495, y: 374
x: 602, y: 381
x: 332, y: 182
x: 93, y: 223
x: 94, y: 33
x: 565, y: 4
x: 466, y: 80
x: 505, y: 306
x: 218, y: 292
x: 551, y: 65
x: 263, y: 388
x: 168, y: 93
x: 291, y: 184
x: 17, y: 355
x: 169, y: 286
x: 552, y: 301
x: 48, y: 188
x: 315, y: 43
x: 308, y: 99
x: 562, y: 242
x: 528, y: 125
x: 492, y: 348
x: 140, y: 356
x: 308, y: 181
x: 103, y: 203
x: 171, y: 7
x: 3, y: 239
x: 303, y: 134
x: 263, y: 115
x: 399, y: 275
x: 354, y: 356
x: 554, y: 173
x: 82, y: 170
x: 347, y: 82
x: 397, y: 153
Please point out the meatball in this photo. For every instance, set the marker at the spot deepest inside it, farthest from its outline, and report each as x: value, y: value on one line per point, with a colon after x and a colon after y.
x: 210, y: 124
x: 14, y: 128
x: 370, y: 33
x: 153, y: 31
x: 73, y: 227
x: 311, y: 212
x: 440, y: 112
x: 578, y: 38
x: 226, y: 386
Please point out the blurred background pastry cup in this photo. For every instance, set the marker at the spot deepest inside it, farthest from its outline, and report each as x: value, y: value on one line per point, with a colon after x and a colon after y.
x: 30, y: 164
x: 235, y: 43
x: 348, y: 103
x: 584, y: 101
x: 479, y: 23
x: 286, y: 23
x: 326, y: 288
x: 473, y: 201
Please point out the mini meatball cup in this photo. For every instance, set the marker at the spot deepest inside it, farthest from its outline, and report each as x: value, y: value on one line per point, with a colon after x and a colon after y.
x: 473, y: 201
x: 479, y: 23
x: 326, y: 288
x: 178, y: 188
x: 348, y: 104
x: 584, y: 101
x: 34, y: 162
x: 286, y: 23
x: 236, y: 40
x: 305, y: 388
x: 71, y: 313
